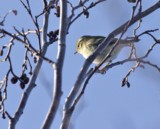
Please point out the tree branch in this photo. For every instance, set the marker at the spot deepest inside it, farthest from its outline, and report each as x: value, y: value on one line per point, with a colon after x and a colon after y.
x: 57, y: 90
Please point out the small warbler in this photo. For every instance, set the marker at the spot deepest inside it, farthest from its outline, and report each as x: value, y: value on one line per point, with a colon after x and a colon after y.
x: 86, y: 45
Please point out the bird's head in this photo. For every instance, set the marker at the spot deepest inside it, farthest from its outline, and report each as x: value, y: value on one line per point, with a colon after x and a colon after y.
x: 81, y: 43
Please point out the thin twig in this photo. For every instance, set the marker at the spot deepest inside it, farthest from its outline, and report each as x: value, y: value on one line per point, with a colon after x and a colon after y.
x: 125, y: 79
x: 29, y: 46
x: 81, y: 13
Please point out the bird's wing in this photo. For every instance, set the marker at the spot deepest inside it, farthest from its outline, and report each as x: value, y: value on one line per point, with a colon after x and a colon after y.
x: 95, y: 41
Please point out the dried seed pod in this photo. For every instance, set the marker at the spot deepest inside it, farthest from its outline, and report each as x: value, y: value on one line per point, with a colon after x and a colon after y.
x: 128, y: 84
x: 26, y: 80
x: 132, y: 1
x: 1, y: 96
x: 22, y: 85
x: 57, y: 11
x: 53, y: 35
x: 85, y: 12
x: 3, y: 115
x: 23, y: 76
x: 14, y: 80
x: 1, y: 52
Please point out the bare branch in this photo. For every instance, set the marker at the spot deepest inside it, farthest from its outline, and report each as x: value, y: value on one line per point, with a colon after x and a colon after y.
x: 5, y: 16
x: 125, y: 79
x: 72, y: 20
x: 35, y: 21
x: 58, y: 67
x: 140, y: 20
x: 29, y: 46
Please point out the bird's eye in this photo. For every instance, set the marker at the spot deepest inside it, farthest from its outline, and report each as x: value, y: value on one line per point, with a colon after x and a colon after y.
x: 79, y: 45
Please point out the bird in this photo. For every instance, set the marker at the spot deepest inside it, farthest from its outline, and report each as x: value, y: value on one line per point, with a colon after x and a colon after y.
x: 87, y: 44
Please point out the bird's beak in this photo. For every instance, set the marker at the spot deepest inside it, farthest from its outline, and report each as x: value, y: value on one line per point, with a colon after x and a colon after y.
x: 75, y: 52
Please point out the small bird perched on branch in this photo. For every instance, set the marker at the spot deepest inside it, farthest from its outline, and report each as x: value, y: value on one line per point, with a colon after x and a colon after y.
x: 86, y: 45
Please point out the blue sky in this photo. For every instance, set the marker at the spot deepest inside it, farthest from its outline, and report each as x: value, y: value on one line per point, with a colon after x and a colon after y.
x: 105, y: 104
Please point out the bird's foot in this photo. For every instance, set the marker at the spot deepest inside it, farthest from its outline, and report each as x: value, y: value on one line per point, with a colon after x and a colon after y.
x: 101, y: 71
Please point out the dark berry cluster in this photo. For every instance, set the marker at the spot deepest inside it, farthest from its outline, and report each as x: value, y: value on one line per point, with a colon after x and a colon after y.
x: 53, y: 35
x: 23, y: 80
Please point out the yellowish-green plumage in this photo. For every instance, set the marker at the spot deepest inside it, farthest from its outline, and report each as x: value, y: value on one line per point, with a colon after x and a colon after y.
x: 86, y: 45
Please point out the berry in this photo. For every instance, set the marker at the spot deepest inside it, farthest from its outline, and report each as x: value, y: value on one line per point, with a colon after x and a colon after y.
x: 26, y: 80
x: 14, y: 80
x: 23, y: 76
x: 22, y: 85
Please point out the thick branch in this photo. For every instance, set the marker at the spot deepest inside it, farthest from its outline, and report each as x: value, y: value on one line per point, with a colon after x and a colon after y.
x: 58, y: 66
